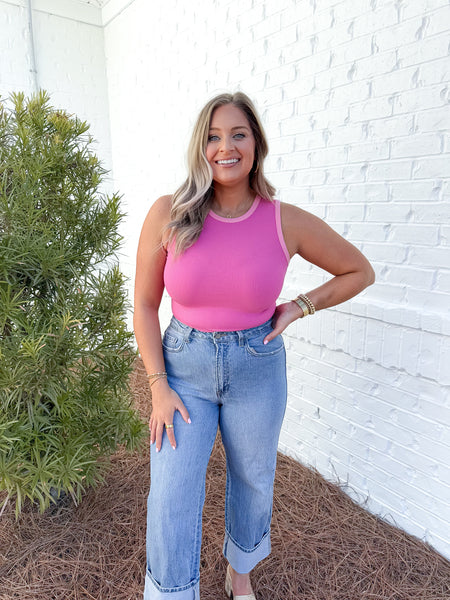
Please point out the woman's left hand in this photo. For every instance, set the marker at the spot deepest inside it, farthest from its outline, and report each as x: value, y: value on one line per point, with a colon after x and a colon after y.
x: 283, y: 316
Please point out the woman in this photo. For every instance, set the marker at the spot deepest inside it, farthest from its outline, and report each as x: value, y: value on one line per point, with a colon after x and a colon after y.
x: 221, y: 245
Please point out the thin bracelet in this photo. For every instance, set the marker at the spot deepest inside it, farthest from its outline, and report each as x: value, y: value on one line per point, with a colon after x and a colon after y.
x: 161, y: 376
x: 156, y: 374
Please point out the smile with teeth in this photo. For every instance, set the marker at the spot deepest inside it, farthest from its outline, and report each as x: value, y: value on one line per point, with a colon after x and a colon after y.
x: 230, y: 161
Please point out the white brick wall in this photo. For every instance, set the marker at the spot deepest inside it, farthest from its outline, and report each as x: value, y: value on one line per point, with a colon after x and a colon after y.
x: 357, y: 116
x: 354, y: 97
x: 70, y: 60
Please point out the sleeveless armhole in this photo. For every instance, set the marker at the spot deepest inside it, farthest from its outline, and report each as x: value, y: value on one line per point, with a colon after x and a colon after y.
x: 280, y: 230
x: 165, y: 245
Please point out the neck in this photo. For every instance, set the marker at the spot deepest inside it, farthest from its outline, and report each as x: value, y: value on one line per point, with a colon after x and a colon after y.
x: 233, y: 200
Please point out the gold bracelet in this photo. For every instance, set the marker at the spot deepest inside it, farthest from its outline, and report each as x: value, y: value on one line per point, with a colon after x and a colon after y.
x: 305, y: 304
x: 312, y: 308
x: 156, y: 374
x: 160, y: 376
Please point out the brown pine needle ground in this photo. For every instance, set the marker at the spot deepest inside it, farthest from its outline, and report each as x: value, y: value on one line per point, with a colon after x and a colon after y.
x: 324, y: 547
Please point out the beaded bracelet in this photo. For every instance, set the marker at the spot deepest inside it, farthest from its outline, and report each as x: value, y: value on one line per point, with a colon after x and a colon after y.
x: 156, y: 374
x: 305, y: 304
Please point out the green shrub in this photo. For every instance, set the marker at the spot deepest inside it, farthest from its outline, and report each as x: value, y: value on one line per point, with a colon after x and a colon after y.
x: 65, y: 351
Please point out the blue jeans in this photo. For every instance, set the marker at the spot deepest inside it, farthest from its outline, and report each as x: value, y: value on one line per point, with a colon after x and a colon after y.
x: 234, y: 381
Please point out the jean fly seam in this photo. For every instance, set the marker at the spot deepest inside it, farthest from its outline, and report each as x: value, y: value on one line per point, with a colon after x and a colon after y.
x: 225, y: 370
x: 217, y: 369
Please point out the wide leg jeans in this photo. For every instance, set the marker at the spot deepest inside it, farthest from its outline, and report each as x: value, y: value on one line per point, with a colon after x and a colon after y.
x: 233, y: 381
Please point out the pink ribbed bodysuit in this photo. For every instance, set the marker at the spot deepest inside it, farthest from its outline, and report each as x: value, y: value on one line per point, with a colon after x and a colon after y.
x: 231, y: 277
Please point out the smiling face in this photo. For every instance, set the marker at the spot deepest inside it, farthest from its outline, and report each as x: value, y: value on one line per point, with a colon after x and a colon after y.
x: 231, y: 146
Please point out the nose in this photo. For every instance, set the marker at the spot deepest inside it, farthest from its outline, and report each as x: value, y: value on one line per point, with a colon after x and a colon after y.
x: 227, y: 143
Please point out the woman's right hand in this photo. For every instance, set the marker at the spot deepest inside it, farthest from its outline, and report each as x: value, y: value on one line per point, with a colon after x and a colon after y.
x: 165, y: 401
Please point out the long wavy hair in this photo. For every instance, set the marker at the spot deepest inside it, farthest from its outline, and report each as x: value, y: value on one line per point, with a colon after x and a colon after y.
x: 192, y: 200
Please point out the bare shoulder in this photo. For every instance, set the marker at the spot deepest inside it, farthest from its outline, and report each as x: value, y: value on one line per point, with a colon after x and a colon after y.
x: 159, y: 214
x: 297, y: 225
x: 314, y: 240
x: 160, y: 209
x: 154, y: 228
x: 291, y: 214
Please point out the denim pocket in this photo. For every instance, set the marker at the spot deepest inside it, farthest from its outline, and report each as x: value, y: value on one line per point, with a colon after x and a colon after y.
x: 255, y: 346
x: 172, y: 341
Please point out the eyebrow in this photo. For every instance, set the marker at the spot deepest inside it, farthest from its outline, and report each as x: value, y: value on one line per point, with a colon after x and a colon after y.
x: 232, y: 129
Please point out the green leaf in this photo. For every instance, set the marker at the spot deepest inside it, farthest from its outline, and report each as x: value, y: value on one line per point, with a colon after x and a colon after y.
x: 65, y: 351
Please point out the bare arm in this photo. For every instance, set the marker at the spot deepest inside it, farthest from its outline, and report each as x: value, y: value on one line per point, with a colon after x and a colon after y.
x: 149, y: 287
x: 316, y: 242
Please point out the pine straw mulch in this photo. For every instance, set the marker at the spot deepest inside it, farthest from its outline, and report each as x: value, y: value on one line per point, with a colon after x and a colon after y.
x: 324, y: 546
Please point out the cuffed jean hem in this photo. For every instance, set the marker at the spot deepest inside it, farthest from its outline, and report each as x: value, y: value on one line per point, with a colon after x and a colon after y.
x: 153, y: 591
x: 244, y: 561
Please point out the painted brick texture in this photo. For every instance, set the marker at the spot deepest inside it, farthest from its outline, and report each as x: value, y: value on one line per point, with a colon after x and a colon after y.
x: 70, y: 60
x: 354, y: 97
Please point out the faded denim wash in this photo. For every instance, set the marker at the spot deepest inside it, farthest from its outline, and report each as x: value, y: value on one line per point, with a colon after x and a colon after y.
x: 234, y: 381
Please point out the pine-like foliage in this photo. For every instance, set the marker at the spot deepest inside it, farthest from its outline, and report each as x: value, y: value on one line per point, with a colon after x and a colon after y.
x: 65, y: 352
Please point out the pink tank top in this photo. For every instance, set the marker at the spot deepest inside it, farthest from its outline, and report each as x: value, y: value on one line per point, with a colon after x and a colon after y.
x: 231, y: 277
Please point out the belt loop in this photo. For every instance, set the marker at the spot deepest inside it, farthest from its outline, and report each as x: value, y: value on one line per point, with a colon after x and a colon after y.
x: 241, y: 338
x: 187, y: 333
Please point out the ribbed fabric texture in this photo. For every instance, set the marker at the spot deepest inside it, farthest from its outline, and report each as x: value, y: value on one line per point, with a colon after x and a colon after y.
x: 232, y: 276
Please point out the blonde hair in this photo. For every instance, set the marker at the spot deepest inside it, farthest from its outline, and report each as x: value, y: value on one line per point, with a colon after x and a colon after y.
x: 192, y: 200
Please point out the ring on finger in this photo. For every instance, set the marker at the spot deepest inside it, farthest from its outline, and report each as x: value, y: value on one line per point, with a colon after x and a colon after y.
x: 170, y: 426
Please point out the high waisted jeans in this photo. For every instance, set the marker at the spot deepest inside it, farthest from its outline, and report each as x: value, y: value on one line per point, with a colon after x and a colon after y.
x: 234, y: 381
